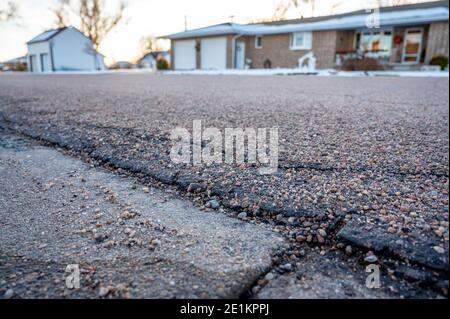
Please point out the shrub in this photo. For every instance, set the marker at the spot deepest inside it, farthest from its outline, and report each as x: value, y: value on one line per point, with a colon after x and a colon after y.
x: 19, y: 67
x: 162, y: 64
x: 440, y: 60
x: 364, y: 64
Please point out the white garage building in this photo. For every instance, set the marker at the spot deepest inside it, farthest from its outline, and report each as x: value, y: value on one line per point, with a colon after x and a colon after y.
x: 64, y: 49
x: 213, y: 54
x: 207, y: 48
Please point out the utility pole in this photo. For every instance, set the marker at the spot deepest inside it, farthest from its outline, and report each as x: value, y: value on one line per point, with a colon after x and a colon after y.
x: 185, y: 23
x: 231, y: 18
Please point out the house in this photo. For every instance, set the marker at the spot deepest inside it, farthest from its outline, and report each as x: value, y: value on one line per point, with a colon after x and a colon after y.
x: 148, y: 61
x: 407, y: 35
x: 64, y: 49
x: 17, y: 64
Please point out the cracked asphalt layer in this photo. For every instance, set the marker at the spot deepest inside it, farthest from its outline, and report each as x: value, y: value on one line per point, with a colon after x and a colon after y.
x: 363, y: 161
x: 128, y: 241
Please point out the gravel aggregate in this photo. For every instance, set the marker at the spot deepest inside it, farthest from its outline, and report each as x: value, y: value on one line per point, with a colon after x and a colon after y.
x: 57, y: 211
x: 363, y: 161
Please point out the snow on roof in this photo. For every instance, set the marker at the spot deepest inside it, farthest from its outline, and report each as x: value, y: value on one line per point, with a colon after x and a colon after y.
x: 350, y: 21
x: 45, y: 36
x: 359, y: 21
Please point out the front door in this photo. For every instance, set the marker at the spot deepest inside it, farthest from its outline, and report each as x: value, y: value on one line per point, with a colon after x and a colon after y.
x: 240, y: 55
x: 412, y: 46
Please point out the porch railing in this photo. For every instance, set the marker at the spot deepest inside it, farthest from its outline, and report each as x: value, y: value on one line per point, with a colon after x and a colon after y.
x: 382, y: 56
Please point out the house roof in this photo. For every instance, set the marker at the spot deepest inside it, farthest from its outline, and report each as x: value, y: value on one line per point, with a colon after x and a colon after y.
x: 46, y: 35
x: 389, y: 16
x: 153, y: 54
x: 401, y: 8
x: 50, y: 34
x: 22, y: 59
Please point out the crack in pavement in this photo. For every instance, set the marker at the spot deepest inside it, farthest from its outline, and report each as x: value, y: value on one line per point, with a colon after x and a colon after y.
x: 155, y: 244
x: 335, y: 232
x: 385, y: 141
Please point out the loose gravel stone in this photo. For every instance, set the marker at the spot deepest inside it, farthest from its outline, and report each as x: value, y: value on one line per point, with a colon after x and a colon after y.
x: 242, y: 215
x: 348, y: 250
x: 322, y: 233
x: 214, y: 204
x: 99, y: 238
x: 269, y: 276
x: 9, y: 294
x: 103, y: 292
x: 300, y: 238
x: 371, y: 259
x: 439, y: 249
x: 286, y: 267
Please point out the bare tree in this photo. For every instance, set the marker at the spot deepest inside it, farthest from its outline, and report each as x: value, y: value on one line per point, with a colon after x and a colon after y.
x: 298, y: 8
x: 61, y: 14
x: 304, y: 7
x: 280, y: 12
x: 335, y: 7
x: 9, y: 12
x: 386, y: 3
x: 94, y: 22
x: 150, y: 44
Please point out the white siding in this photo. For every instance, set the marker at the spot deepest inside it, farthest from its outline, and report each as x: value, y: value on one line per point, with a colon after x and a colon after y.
x: 36, y: 49
x: 69, y: 50
x: 72, y: 51
x: 101, y: 62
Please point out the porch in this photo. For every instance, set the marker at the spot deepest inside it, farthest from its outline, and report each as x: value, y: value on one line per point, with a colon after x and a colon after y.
x: 398, y: 48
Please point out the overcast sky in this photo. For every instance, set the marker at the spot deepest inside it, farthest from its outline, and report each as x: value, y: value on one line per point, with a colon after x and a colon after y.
x: 143, y: 17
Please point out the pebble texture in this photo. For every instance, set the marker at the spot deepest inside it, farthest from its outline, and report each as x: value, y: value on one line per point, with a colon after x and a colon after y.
x: 321, y: 278
x: 128, y: 242
x: 363, y: 161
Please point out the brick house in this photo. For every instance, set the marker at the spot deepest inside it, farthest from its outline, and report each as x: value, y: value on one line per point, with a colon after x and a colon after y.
x: 407, y: 35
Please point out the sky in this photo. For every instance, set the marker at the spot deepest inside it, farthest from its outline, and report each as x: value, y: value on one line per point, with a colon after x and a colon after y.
x: 148, y: 17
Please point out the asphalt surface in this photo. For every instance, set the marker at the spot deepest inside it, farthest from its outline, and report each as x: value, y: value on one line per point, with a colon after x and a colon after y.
x: 363, y: 165
x: 127, y: 241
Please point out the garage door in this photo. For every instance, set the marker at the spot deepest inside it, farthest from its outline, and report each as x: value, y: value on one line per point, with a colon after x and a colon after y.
x: 185, y: 55
x: 214, y: 53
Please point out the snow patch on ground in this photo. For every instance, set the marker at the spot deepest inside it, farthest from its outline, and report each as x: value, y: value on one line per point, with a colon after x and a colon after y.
x: 252, y: 72
x: 124, y: 71
x: 327, y: 72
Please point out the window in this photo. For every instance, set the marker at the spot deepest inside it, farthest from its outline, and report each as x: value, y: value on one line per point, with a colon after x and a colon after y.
x: 374, y: 44
x: 258, y: 42
x: 301, y: 41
